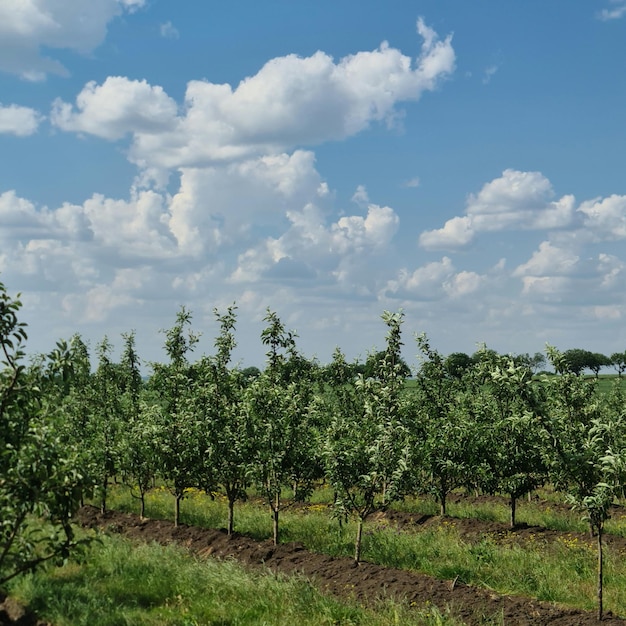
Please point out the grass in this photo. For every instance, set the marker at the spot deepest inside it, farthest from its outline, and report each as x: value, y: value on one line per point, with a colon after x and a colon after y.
x: 561, y: 571
x: 140, y: 585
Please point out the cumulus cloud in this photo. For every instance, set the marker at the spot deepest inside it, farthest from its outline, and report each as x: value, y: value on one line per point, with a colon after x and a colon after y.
x: 515, y: 200
x: 117, y: 107
x: 605, y: 218
x: 19, y: 120
x: 557, y: 273
x: 183, y: 241
x: 290, y: 102
x: 313, y: 248
x: 222, y: 204
x: 433, y: 281
x: 27, y: 26
x: 549, y: 260
x: 134, y: 227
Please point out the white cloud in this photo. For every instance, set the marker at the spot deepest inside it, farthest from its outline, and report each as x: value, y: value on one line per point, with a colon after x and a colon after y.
x: 339, y: 252
x: 435, y: 281
x: 360, y: 196
x: 455, y: 233
x: 425, y: 283
x: 614, y: 13
x: 27, y: 26
x: 516, y: 200
x: 218, y: 205
x: 291, y: 101
x: 19, y: 120
x: 135, y: 228
x: 115, y: 108
x: 557, y: 273
x: 605, y: 218
x: 463, y: 284
x: 549, y: 260
x: 169, y: 31
x: 489, y: 73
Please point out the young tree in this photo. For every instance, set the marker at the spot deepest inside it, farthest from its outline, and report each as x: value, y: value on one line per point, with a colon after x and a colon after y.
x: 40, y: 474
x: 366, y: 446
x: 585, y: 452
x: 139, y: 445
x: 175, y: 415
x: 277, y: 404
x: 75, y: 403
x: 514, y: 448
x: 104, y: 421
x: 225, y: 427
x: 444, y: 426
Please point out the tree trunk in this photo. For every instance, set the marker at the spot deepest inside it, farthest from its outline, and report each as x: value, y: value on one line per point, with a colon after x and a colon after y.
x: 442, y: 503
x: 359, y: 539
x: 177, y: 500
x: 275, y: 511
x: 600, y: 573
x: 103, y: 500
x: 142, y: 499
x: 231, y: 515
x: 513, y: 510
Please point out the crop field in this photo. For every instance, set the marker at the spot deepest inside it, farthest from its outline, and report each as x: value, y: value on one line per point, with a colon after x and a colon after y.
x: 417, y: 568
x: 479, y: 493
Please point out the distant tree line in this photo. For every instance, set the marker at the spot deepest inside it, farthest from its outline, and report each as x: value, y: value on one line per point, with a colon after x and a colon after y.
x: 574, y: 361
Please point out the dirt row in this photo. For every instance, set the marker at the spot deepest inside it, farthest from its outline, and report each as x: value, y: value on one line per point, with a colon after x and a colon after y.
x: 366, y: 582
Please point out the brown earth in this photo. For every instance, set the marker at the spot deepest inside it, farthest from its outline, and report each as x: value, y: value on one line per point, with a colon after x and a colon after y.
x: 12, y: 613
x: 366, y: 582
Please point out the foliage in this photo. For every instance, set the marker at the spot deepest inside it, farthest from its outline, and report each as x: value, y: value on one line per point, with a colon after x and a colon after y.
x: 366, y: 445
x: 576, y: 360
x: 513, y: 446
x: 457, y: 363
x: 588, y: 457
x: 618, y: 360
x: 174, y: 415
x: 40, y: 475
x: 444, y: 426
x: 226, y: 431
x: 277, y: 405
x: 375, y: 365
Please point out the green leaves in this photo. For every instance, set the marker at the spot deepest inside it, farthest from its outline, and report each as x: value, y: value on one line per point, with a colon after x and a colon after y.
x: 366, y: 445
x: 40, y: 473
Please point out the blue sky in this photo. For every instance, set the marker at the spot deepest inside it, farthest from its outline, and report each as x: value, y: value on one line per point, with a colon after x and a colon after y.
x: 461, y: 161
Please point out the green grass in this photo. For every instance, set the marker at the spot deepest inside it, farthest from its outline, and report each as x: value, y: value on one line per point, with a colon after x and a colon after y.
x: 121, y: 584
x: 561, y: 571
x: 552, y: 513
x: 607, y: 381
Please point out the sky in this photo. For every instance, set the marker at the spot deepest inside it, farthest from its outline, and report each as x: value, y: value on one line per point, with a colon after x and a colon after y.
x: 463, y: 162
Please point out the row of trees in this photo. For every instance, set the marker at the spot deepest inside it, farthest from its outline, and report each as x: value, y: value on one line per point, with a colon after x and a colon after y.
x: 489, y: 424
x: 575, y: 361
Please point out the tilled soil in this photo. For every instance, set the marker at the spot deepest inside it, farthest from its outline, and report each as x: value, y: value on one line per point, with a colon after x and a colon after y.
x: 366, y: 582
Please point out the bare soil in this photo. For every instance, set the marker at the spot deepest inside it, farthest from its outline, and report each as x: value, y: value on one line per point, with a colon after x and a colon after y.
x: 366, y: 582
